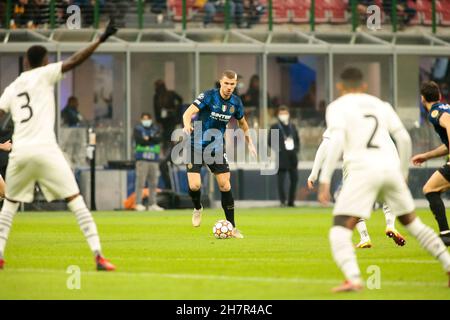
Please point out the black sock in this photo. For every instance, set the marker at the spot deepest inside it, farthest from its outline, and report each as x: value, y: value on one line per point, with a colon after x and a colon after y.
x: 438, y: 209
x: 195, y: 195
x: 228, y: 206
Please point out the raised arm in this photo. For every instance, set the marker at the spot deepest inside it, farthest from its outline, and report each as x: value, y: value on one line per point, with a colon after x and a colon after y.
x: 79, y: 57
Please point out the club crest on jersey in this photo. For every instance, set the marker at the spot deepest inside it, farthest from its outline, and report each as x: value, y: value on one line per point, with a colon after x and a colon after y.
x: 434, y: 113
x: 232, y: 109
x: 224, y: 108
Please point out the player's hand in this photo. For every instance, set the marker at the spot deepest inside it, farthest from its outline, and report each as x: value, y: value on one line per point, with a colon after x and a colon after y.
x: 324, y: 195
x: 252, y: 150
x: 188, y: 130
x: 109, y: 31
x: 310, y: 184
x: 6, y: 146
x: 418, y: 159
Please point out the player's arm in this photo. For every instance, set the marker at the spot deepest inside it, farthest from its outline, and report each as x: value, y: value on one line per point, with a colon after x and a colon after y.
x: 79, y: 57
x: 243, y: 125
x: 336, y: 124
x: 187, y: 118
x: 318, y: 162
x: 440, y: 151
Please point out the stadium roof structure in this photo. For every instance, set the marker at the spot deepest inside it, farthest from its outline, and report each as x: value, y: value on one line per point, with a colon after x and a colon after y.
x: 232, y: 41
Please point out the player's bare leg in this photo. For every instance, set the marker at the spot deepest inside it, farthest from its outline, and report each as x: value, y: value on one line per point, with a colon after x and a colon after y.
x: 364, y: 242
x: 195, y: 183
x: 391, y: 232
x: 87, y: 225
x: 7, y: 214
x: 2, y: 188
x: 428, y: 239
x: 223, y: 181
x: 432, y: 190
x: 344, y: 253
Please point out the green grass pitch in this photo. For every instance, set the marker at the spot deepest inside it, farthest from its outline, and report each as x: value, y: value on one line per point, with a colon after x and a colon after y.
x: 285, y: 255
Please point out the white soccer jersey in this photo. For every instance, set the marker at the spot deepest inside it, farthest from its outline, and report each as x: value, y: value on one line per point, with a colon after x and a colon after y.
x: 367, y: 122
x: 31, y: 101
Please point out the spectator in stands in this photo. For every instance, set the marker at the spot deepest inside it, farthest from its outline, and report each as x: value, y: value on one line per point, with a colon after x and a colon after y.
x: 158, y: 7
x: 167, y: 109
x: 70, y: 114
x: 255, y: 10
x: 213, y: 6
x: 87, y: 11
x: 42, y: 12
x: 361, y: 8
x: 251, y: 97
x: 289, y: 146
x: 404, y: 12
x: 23, y: 14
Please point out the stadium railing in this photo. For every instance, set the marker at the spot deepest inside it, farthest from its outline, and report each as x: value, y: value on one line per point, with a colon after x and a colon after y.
x: 51, y: 14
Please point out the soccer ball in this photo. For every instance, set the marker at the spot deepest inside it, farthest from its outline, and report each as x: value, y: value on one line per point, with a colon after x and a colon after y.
x: 223, y: 229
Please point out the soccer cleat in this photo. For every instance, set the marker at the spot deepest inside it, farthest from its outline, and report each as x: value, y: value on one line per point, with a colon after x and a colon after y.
x: 446, y: 239
x: 155, y: 207
x: 348, y: 286
x: 2, y: 263
x: 197, y: 217
x: 104, y: 264
x: 367, y: 244
x: 396, y: 236
x: 140, y: 207
x: 237, y: 234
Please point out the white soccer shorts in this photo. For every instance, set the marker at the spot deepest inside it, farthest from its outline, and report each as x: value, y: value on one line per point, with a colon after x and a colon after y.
x: 363, y: 187
x: 44, y: 165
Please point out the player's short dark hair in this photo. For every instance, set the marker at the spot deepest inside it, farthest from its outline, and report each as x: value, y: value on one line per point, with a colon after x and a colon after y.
x: 282, y: 108
x: 146, y: 114
x: 352, y: 77
x: 430, y: 91
x: 36, y: 55
x: 230, y: 74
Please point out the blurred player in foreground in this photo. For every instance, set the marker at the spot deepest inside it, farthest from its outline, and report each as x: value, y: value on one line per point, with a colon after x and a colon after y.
x: 439, y: 116
x: 36, y: 156
x: 215, y: 108
x: 365, y: 241
x: 361, y: 127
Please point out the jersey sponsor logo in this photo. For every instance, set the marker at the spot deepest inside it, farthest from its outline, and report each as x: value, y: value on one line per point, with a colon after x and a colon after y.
x: 219, y: 116
x: 434, y: 113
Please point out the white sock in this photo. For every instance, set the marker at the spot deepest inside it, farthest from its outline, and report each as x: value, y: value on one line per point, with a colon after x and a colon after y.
x: 7, y: 213
x: 362, y: 229
x: 390, y: 218
x: 430, y: 241
x: 344, y: 253
x: 86, y: 223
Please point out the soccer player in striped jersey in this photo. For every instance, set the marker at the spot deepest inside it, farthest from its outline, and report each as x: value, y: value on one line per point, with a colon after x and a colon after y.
x: 214, y: 108
x: 439, y: 116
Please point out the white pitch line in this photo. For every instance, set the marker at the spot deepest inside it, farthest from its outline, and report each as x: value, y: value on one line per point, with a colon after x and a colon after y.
x: 227, y: 278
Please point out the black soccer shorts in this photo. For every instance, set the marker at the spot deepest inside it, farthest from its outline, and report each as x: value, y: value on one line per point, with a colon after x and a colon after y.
x: 445, y: 171
x: 195, y: 166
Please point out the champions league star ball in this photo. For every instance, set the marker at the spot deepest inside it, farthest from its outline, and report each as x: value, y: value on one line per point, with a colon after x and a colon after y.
x: 223, y: 229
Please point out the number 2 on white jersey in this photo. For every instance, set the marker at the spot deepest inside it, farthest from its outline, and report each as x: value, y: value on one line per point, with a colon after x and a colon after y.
x: 370, y: 145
